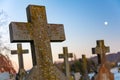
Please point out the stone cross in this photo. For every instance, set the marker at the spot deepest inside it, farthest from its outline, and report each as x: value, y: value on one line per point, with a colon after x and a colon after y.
x: 84, y: 67
x: 100, y: 50
x: 84, y: 64
x: 66, y: 55
x: 103, y: 70
x: 20, y: 53
x: 39, y: 33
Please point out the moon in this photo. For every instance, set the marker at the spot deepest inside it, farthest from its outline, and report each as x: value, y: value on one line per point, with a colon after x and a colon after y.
x: 105, y: 23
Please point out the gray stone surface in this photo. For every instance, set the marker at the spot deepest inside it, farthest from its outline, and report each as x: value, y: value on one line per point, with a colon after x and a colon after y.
x: 103, y: 71
x: 39, y: 33
x: 84, y: 67
x: 100, y: 50
x: 65, y: 56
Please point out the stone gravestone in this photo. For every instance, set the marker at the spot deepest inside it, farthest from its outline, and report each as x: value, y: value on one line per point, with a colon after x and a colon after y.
x: 84, y: 67
x: 39, y: 33
x: 66, y: 55
x: 104, y: 71
x: 22, y: 73
x: 100, y: 50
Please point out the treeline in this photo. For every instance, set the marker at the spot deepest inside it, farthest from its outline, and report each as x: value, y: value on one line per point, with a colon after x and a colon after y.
x: 77, y: 65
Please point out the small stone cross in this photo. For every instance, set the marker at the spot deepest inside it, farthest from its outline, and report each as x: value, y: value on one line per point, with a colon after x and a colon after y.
x: 100, y: 50
x: 66, y: 55
x: 84, y: 68
x: 84, y: 64
x: 20, y: 53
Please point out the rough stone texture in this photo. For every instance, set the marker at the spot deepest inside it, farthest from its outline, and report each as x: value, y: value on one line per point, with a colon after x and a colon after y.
x: 57, y: 72
x: 100, y: 50
x: 66, y: 55
x: 22, y: 73
x: 39, y: 33
x: 84, y: 64
x: 84, y: 67
x: 104, y: 71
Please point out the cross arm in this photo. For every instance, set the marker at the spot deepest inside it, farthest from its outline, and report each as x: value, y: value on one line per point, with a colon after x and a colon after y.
x: 61, y: 55
x: 98, y: 50
x: 70, y: 55
x: 56, y: 32
x: 94, y: 51
x: 14, y: 52
x: 19, y: 32
x: 25, y: 51
x: 107, y: 49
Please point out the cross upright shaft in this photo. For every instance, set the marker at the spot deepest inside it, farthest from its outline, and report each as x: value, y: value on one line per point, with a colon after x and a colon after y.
x: 38, y: 32
x: 100, y: 50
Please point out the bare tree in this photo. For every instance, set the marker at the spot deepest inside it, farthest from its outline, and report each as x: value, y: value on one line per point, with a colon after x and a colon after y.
x: 5, y: 62
x: 3, y: 22
x: 3, y: 18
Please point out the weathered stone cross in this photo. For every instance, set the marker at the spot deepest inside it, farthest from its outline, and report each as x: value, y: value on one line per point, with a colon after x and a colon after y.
x: 39, y: 33
x: 103, y: 70
x: 84, y: 64
x: 100, y: 50
x: 84, y: 67
x: 20, y: 52
x: 66, y: 55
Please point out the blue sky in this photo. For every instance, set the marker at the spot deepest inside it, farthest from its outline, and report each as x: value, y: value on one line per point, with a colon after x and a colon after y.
x: 83, y: 22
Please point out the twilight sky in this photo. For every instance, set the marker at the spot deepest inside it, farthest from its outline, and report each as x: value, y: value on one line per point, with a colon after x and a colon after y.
x: 83, y: 23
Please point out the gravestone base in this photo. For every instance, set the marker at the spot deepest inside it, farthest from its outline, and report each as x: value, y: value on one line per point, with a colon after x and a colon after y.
x: 21, y: 74
x: 30, y: 75
x: 104, y: 73
x: 57, y: 74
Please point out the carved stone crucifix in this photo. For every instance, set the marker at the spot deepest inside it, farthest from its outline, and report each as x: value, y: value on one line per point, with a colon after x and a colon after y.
x: 66, y: 55
x: 20, y: 52
x: 39, y: 33
x: 100, y: 50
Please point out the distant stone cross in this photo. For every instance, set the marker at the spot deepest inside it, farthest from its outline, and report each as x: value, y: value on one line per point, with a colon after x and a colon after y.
x: 20, y: 53
x: 66, y: 55
x: 103, y: 70
x: 100, y: 50
x: 84, y: 64
x: 84, y: 69
x: 39, y: 33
